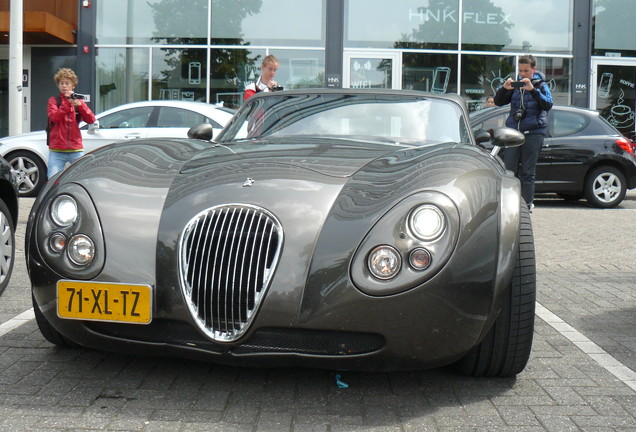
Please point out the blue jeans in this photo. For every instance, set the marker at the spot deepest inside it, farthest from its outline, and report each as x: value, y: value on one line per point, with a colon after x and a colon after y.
x: 58, y: 160
x: 522, y: 161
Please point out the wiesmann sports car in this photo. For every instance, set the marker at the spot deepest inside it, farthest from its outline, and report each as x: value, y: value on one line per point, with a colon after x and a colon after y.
x: 335, y: 229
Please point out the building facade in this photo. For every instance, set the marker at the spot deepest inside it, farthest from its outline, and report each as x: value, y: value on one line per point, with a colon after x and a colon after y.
x: 209, y: 50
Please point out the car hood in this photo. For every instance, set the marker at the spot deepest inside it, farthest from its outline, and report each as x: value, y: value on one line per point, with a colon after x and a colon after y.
x: 24, y: 137
x: 332, y: 157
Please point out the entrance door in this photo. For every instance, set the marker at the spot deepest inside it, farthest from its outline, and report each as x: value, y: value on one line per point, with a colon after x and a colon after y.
x: 376, y: 69
x: 613, y: 93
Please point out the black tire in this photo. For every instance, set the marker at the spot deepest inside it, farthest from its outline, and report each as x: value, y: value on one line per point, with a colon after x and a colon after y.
x: 506, y: 348
x: 30, y: 171
x: 47, y: 330
x: 605, y: 187
x: 7, y: 245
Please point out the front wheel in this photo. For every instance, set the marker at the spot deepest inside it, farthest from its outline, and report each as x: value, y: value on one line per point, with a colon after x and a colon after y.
x: 30, y: 172
x: 506, y: 348
x: 605, y: 187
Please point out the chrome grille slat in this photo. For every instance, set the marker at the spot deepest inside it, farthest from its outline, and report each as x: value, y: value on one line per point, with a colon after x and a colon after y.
x: 227, y: 255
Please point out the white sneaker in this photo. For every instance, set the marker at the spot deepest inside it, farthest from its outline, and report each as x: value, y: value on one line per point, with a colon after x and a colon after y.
x: 530, y: 208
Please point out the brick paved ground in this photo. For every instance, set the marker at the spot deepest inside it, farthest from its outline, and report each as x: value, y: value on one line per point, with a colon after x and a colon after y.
x: 586, y: 276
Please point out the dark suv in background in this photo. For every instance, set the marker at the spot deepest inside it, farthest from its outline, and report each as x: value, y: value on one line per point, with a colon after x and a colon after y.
x: 583, y: 155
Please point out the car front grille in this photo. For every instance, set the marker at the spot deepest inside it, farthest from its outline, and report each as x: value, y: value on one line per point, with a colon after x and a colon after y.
x: 227, y: 255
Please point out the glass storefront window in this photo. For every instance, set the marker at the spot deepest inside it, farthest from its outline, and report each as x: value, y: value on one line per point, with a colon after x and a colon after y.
x: 435, y: 73
x: 615, y: 96
x: 482, y: 75
x: 611, y: 18
x: 517, y: 25
x: 487, y: 25
x: 558, y: 72
x: 233, y: 69
x: 179, y: 74
x: 152, y: 21
x: 402, y: 24
x: 268, y: 22
x: 121, y: 76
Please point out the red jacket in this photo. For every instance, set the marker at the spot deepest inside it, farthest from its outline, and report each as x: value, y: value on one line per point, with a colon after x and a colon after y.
x: 65, y: 134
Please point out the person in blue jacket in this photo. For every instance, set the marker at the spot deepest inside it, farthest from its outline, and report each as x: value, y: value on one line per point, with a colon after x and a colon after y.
x: 530, y: 100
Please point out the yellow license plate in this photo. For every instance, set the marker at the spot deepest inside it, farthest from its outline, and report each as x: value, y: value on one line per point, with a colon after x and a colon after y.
x: 101, y: 301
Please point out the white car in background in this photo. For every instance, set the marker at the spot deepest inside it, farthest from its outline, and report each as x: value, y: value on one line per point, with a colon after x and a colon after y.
x: 28, y: 154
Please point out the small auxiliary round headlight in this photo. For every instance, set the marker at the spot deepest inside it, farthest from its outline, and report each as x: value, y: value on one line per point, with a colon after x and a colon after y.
x: 384, y: 262
x: 57, y: 242
x: 81, y: 250
x: 427, y: 222
x: 64, y: 211
x: 420, y: 259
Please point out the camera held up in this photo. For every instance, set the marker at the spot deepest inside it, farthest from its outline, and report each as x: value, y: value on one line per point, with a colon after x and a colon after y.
x: 77, y: 96
x: 276, y: 88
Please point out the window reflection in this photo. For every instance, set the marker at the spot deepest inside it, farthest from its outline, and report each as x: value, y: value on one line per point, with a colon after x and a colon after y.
x: 436, y: 73
x: 482, y: 75
x: 179, y: 74
x: 152, y: 21
x: 608, y: 17
x: 268, y: 22
x: 122, y: 76
x: 487, y: 25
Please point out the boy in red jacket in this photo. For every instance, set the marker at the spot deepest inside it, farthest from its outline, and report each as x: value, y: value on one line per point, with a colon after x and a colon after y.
x: 65, y: 111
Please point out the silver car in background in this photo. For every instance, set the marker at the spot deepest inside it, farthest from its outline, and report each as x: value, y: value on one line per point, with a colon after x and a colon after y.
x: 28, y: 154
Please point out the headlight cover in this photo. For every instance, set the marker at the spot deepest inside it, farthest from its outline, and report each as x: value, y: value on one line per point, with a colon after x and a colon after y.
x: 427, y: 222
x: 384, y: 262
x: 81, y: 250
x: 69, y: 233
x: 422, y: 231
x: 64, y: 211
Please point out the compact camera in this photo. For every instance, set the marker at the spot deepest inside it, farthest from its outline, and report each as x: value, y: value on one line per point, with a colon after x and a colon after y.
x: 77, y: 96
x: 517, y: 84
x: 276, y: 88
x: 519, y: 114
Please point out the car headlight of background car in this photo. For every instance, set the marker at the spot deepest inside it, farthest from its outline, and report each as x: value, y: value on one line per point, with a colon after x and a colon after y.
x: 69, y: 235
x: 408, y: 245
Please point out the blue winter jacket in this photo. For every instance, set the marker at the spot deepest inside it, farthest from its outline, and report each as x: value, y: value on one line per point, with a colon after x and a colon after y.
x: 535, y: 104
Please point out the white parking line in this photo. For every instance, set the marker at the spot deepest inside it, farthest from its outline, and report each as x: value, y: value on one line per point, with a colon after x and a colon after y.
x: 605, y: 360
x: 609, y: 363
x: 16, y: 322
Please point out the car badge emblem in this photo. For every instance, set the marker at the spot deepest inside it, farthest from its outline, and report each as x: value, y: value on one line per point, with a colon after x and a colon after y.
x: 249, y: 182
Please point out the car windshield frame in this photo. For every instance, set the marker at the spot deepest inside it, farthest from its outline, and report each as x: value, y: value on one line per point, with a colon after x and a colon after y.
x: 398, y: 118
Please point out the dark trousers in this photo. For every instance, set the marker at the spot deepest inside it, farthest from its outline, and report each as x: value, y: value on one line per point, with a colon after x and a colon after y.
x: 523, y: 162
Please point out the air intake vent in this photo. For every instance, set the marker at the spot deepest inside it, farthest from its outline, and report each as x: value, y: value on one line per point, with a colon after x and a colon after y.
x: 227, y: 256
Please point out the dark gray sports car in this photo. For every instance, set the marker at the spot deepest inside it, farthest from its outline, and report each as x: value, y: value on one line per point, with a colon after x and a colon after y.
x: 336, y: 229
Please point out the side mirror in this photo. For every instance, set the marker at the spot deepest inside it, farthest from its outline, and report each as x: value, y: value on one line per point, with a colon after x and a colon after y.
x: 201, y: 131
x: 93, y: 127
x: 506, y: 137
x: 482, y: 136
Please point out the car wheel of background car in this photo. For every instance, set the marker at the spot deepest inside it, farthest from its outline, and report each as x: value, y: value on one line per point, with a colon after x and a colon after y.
x: 605, y: 187
x: 30, y: 172
x: 47, y: 330
x: 7, y: 245
x: 506, y: 348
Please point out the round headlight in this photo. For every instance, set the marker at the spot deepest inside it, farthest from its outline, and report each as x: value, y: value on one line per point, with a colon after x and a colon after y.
x: 57, y: 242
x: 384, y: 262
x: 81, y: 250
x: 64, y: 211
x: 420, y: 259
x: 427, y: 222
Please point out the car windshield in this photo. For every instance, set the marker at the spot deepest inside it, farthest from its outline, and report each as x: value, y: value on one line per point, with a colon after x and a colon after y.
x: 402, y: 119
